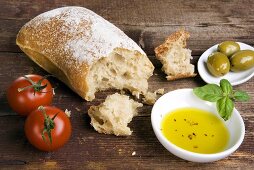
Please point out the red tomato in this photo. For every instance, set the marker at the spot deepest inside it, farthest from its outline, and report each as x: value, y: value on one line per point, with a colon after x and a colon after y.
x: 30, y: 98
x: 60, y: 129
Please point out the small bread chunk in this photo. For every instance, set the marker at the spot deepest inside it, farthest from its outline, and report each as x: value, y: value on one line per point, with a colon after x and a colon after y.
x: 150, y: 98
x: 113, y: 115
x: 174, y: 57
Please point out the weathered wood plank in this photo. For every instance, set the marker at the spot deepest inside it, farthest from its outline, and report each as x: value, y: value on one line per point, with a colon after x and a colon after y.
x: 147, y: 13
x: 148, y: 22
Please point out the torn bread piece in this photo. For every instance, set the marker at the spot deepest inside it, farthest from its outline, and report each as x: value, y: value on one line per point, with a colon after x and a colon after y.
x: 113, y: 115
x: 175, y: 57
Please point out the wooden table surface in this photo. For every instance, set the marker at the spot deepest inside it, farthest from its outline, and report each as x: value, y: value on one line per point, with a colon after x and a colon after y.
x: 148, y: 23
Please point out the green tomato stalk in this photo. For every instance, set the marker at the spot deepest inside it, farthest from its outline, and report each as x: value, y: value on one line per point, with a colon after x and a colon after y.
x: 49, y: 124
x: 37, y: 86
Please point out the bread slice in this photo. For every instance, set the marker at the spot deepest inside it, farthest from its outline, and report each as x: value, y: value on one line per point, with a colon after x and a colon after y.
x: 113, y: 115
x: 175, y: 57
x: 85, y: 51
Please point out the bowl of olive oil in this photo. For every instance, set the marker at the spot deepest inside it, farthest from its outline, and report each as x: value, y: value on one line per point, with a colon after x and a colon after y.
x: 191, y: 128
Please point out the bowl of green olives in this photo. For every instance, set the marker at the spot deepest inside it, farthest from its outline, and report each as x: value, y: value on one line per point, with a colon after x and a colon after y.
x: 229, y: 60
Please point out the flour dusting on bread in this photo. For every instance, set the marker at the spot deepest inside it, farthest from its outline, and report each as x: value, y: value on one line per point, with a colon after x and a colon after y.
x: 113, y: 115
x: 175, y: 57
x: 67, y: 21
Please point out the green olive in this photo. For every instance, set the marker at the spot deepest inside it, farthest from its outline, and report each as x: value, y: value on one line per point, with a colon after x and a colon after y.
x: 218, y: 64
x: 242, y: 60
x: 228, y: 48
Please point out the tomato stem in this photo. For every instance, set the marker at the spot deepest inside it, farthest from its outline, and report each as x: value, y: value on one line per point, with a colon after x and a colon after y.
x: 24, y: 88
x: 49, y: 124
x: 36, y: 86
x: 28, y: 79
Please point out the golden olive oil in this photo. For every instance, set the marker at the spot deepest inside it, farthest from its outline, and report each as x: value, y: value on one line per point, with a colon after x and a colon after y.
x: 195, y: 130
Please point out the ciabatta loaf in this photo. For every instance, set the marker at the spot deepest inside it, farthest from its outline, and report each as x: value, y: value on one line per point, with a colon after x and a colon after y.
x: 85, y: 51
x: 113, y: 115
x: 175, y: 57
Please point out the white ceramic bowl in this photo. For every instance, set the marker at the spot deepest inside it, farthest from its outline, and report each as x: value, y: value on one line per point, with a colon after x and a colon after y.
x: 232, y: 77
x: 186, y: 98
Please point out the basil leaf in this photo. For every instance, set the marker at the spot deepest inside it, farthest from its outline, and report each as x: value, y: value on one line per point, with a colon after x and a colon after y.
x: 225, y: 107
x: 241, y: 96
x: 209, y: 92
x: 226, y: 86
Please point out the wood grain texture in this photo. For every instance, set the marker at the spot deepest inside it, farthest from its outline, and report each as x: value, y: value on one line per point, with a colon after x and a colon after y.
x: 148, y: 23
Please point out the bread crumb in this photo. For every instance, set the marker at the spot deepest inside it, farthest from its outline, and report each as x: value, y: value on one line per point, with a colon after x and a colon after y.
x: 150, y: 98
x: 136, y: 94
x: 133, y: 153
x: 90, y: 137
x: 122, y: 92
x: 80, y: 140
x: 78, y: 109
x: 67, y: 112
x: 160, y: 91
x: 50, y: 163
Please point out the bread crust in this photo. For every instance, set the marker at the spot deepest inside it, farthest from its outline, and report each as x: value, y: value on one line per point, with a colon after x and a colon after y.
x: 67, y: 41
x: 180, y: 37
x: 176, y: 36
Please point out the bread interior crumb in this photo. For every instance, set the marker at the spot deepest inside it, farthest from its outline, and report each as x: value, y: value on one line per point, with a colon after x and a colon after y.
x: 122, y: 69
